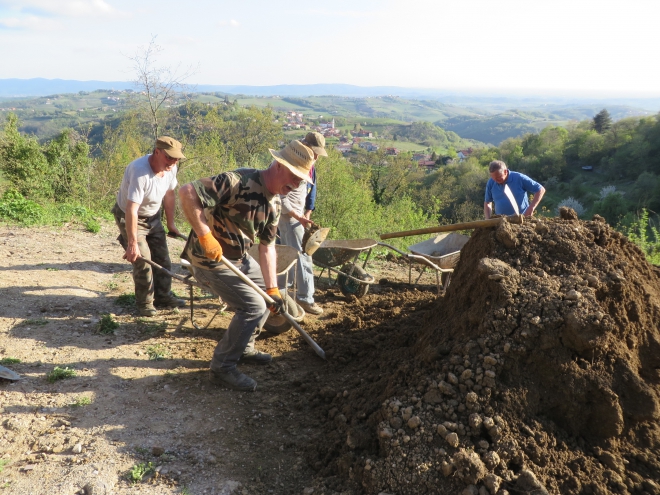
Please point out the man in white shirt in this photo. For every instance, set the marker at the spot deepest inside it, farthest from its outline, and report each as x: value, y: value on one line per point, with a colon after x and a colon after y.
x: 149, y: 182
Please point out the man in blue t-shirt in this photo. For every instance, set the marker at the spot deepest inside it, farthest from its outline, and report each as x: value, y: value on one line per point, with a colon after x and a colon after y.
x: 508, y: 190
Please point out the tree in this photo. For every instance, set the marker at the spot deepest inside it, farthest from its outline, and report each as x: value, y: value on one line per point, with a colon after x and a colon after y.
x: 250, y: 132
x: 23, y: 163
x: 602, y: 121
x: 157, y: 85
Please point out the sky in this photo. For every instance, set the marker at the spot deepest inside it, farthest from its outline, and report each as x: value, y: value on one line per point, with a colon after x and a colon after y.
x: 587, y: 47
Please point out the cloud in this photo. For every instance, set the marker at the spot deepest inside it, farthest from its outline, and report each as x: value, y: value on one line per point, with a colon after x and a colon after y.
x: 231, y: 23
x: 64, y: 8
x: 29, y: 22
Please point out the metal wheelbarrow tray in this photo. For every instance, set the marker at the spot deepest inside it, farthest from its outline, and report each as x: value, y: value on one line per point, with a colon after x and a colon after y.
x: 441, y: 253
x: 351, y: 278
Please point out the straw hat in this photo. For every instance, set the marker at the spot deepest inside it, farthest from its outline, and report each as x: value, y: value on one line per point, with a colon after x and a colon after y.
x: 296, y: 157
x: 316, y: 142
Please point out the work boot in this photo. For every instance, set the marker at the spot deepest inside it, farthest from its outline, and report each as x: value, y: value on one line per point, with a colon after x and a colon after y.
x: 312, y: 309
x: 147, y: 310
x: 169, y: 301
x: 255, y: 357
x: 234, y: 380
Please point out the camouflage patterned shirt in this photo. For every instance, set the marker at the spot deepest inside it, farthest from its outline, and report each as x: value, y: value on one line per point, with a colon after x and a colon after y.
x: 238, y: 209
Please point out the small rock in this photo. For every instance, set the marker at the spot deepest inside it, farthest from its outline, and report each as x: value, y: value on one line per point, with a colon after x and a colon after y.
x: 470, y: 490
x: 96, y: 487
x: 157, y: 451
x: 446, y: 468
x: 414, y: 422
x: 308, y: 491
x: 77, y: 448
x: 528, y: 483
x: 475, y: 420
x: 572, y: 295
x: 492, y: 482
x: 385, y: 433
x: 471, y: 398
x: 442, y: 431
x: 452, y: 439
x: 491, y: 459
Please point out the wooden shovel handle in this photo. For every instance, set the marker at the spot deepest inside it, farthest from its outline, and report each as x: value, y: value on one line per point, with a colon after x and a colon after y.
x: 492, y: 222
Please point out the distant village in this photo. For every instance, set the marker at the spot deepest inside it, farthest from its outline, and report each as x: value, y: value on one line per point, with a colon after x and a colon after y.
x: 294, y: 120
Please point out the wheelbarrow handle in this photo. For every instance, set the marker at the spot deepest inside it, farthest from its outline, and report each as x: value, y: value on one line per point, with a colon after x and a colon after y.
x: 269, y: 300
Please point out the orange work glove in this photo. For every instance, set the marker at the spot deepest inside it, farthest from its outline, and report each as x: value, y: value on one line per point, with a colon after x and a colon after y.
x: 210, y: 245
x: 278, y: 303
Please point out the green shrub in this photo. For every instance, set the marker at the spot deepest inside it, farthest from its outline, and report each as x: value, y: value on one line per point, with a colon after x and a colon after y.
x: 16, y: 208
x: 60, y: 374
x: 9, y: 360
x: 638, y: 232
x: 93, y: 226
x: 139, y: 471
x: 108, y: 325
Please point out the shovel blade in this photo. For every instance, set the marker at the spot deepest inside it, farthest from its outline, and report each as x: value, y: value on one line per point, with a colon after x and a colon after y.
x: 314, y: 241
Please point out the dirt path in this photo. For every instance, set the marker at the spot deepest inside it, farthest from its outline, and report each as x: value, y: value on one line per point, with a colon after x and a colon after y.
x: 123, y: 408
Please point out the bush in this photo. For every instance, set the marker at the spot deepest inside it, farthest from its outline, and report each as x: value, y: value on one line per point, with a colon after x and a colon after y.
x: 611, y: 207
x: 16, y: 208
x: 638, y: 232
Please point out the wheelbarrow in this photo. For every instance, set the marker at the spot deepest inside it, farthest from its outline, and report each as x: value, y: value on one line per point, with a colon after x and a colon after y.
x: 352, y: 278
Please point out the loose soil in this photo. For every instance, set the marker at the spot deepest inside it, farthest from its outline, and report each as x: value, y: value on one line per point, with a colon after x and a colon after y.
x: 537, y: 372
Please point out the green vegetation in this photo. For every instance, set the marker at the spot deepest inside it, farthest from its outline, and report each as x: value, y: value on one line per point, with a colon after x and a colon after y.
x: 3, y: 463
x: 81, y: 401
x: 638, y: 232
x: 60, y: 374
x: 126, y: 300
x: 139, y: 471
x: 158, y: 353
x: 9, y: 360
x: 596, y: 162
x: 33, y: 322
x: 108, y: 325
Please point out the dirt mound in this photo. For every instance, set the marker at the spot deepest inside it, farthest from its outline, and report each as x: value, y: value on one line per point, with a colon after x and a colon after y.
x: 539, y: 371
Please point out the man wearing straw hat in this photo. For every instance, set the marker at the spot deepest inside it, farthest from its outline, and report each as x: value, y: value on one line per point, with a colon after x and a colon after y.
x: 297, y: 208
x: 227, y: 213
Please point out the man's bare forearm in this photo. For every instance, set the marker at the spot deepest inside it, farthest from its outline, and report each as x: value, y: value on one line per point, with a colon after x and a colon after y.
x: 268, y: 263
x: 193, y: 210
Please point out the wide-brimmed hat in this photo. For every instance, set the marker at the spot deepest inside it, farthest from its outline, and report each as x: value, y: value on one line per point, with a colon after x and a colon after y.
x: 296, y: 157
x: 316, y: 142
x: 170, y: 146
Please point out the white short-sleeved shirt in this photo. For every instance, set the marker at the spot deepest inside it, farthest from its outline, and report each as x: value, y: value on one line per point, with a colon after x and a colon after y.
x: 141, y: 185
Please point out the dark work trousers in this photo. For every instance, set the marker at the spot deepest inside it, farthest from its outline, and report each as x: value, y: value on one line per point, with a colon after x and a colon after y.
x: 152, y: 242
x: 250, y: 311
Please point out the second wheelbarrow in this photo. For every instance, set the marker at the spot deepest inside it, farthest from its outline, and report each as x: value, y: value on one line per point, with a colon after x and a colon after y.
x: 352, y: 278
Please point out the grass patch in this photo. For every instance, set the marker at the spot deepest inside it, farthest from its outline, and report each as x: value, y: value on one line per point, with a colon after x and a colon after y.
x: 60, y: 374
x: 81, y: 401
x: 150, y: 326
x: 3, y: 463
x: 158, y: 353
x: 9, y: 360
x: 112, y: 285
x: 92, y: 226
x: 108, y: 325
x: 37, y: 322
x: 139, y: 471
x: 126, y: 300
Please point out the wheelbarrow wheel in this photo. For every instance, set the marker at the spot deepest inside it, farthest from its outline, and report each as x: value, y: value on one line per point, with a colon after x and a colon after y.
x: 351, y: 287
x: 277, y: 324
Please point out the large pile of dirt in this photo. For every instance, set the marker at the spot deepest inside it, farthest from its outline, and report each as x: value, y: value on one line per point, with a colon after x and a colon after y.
x: 538, y: 371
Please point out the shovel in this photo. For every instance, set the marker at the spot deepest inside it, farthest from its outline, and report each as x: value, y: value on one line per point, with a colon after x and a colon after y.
x: 491, y: 222
x: 269, y: 300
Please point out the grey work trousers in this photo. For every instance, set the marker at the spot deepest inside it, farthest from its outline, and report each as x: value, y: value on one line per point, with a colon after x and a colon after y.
x: 152, y: 242
x: 250, y: 310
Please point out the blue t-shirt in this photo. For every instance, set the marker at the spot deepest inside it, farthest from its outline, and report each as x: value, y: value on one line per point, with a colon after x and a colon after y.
x: 519, y: 184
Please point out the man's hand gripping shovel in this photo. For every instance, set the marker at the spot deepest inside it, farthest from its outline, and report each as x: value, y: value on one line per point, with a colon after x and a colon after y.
x: 269, y: 300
